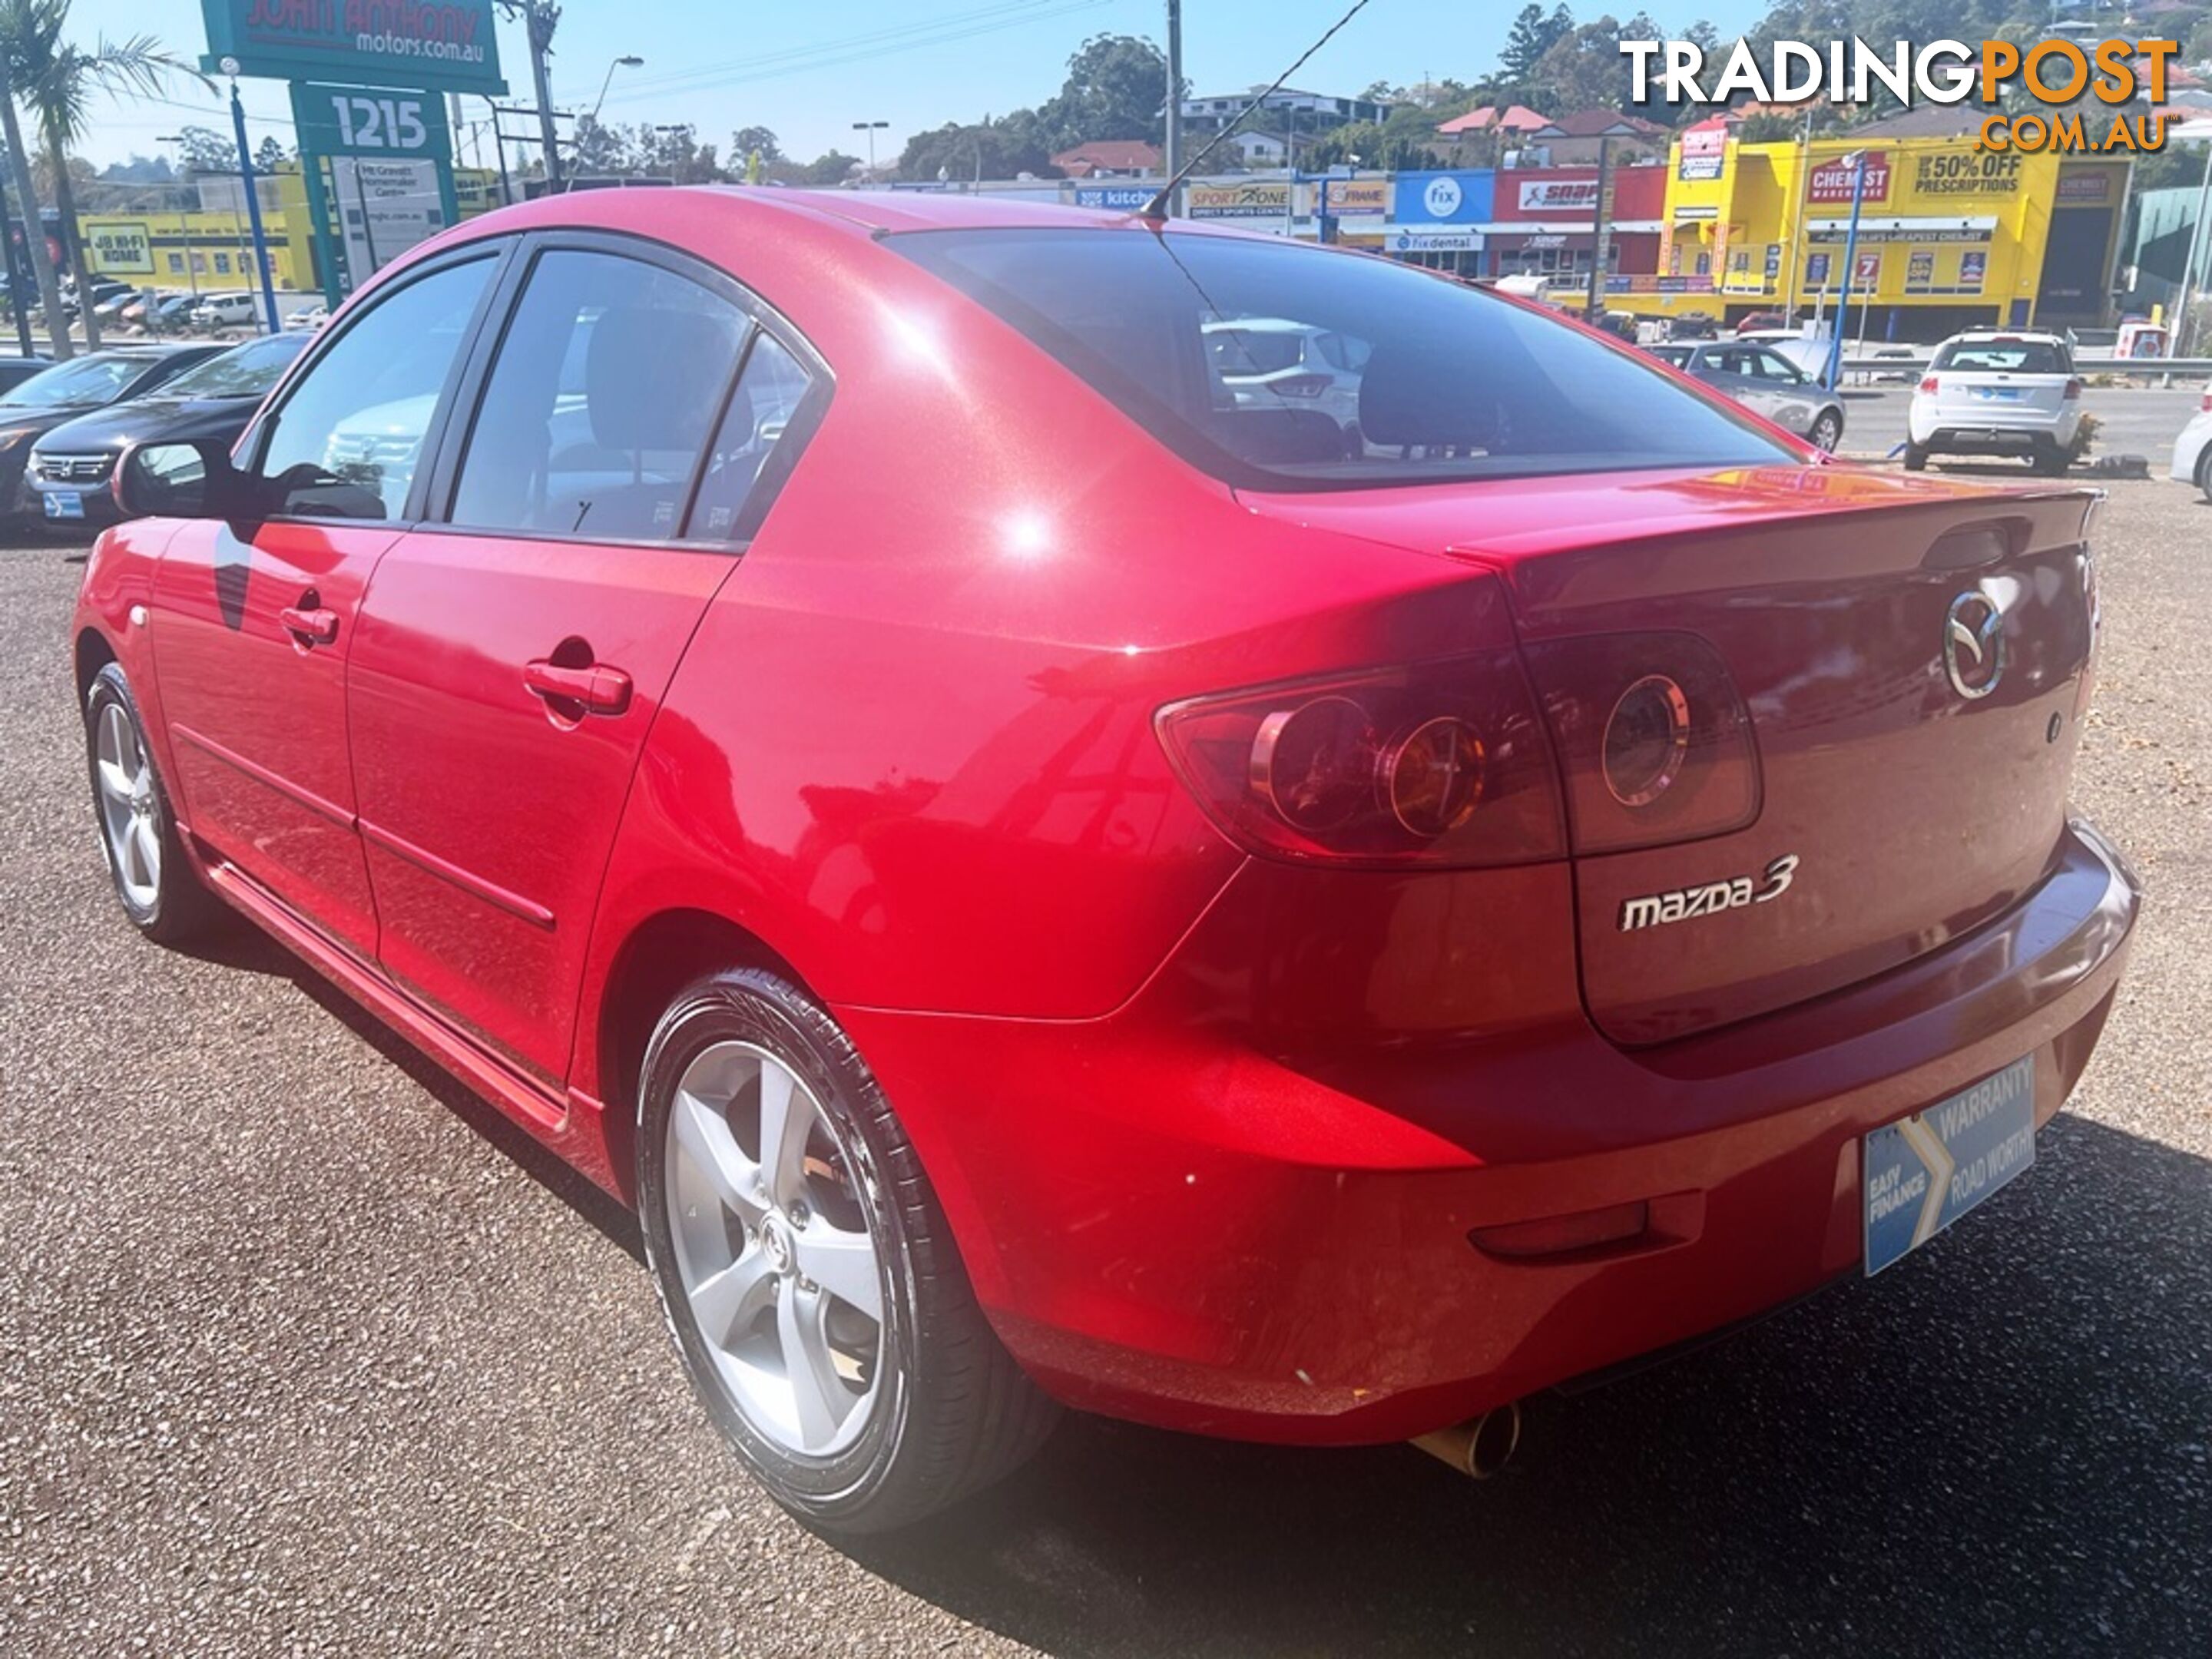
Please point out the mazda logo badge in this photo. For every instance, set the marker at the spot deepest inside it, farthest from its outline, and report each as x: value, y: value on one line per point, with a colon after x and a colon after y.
x: 1974, y: 644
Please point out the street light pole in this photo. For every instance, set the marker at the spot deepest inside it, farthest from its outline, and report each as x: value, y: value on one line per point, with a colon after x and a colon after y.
x: 629, y: 60
x: 253, y: 212
x: 1171, y: 155
x: 870, y: 128
x: 1835, y: 375
x: 191, y: 250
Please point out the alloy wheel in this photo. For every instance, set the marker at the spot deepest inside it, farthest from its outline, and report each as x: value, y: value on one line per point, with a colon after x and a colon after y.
x: 130, y: 809
x: 775, y: 1248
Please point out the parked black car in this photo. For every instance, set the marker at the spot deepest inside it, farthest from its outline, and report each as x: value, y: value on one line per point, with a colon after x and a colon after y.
x: 70, y: 465
x: 15, y: 370
x: 30, y: 410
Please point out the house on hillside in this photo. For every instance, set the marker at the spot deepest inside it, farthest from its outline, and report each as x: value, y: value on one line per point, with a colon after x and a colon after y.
x: 1110, y: 158
x: 1574, y: 140
x: 1515, y: 121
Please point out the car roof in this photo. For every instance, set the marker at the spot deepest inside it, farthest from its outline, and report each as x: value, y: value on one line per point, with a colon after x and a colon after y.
x: 866, y: 213
x: 2010, y: 336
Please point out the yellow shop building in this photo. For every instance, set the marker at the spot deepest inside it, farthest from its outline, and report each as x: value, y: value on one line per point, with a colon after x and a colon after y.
x: 1949, y: 236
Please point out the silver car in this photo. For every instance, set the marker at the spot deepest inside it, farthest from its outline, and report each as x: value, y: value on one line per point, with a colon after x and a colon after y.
x: 1763, y: 381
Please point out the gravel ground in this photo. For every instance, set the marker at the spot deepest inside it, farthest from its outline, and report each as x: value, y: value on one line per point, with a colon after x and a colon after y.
x: 300, y: 1349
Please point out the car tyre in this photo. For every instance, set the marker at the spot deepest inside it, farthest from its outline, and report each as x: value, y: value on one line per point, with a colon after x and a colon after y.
x: 747, y: 1205
x: 2204, y: 473
x: 2050, y: 462
x: 1916, y: 457
x: 1827, y: 432
x: 154, y: 880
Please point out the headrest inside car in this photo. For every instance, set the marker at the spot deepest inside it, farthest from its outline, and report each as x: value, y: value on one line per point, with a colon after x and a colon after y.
x: 1435, y: 396
x: 648, y: 381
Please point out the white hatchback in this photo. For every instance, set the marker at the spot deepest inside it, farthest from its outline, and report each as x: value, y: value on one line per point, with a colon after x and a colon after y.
x: 1995, y: 391
x: 2192, y: 450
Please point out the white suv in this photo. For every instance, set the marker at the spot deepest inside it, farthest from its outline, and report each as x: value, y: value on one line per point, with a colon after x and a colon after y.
x: 1992, y: 391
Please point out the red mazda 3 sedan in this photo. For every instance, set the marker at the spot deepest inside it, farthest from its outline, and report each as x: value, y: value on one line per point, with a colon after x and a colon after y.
x: 1054, y: 862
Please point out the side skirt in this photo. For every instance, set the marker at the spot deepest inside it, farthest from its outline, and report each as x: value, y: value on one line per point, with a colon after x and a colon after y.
x: 555, y: 1120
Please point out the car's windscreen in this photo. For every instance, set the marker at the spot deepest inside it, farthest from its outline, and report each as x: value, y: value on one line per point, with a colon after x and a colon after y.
x: 87, y: 380
x: 246, y: 371
x: 1453, y: 383
x: 1678, y: 355
x: 2002, y: 357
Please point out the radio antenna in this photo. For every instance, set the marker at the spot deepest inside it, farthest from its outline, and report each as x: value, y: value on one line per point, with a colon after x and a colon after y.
x: 1158, y: 207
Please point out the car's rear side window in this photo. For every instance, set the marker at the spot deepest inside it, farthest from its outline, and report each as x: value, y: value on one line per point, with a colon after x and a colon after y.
x: 1452, y: 382
x: 2003, y: 357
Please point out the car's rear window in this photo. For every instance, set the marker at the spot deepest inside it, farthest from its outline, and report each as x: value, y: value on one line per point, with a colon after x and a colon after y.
x: 2003, y: 357
x: 1451, y: 382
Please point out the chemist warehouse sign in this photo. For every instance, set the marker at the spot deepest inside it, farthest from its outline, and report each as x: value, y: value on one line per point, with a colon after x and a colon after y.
x: 443, y: 46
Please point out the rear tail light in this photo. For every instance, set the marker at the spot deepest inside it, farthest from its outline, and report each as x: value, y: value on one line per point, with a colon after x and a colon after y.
x: 2205, y: 406
x: 2073, y: 387
x: 1440, y: 765
x: 1654, y: 743
x: 1930, y: 384
x: 1301, y: 386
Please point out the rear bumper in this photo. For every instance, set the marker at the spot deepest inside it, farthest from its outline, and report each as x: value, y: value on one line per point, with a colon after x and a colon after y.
x: 1965, y: 439
x: 1166, y: 1224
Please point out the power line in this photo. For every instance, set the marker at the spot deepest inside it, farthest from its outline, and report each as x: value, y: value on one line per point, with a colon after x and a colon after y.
x: 853, y: 57
x: 901, y: 32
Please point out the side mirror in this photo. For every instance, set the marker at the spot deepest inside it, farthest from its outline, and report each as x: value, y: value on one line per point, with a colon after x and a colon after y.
x: 190, y: 480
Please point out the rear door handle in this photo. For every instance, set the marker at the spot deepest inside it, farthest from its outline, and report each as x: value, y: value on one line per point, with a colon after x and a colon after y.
x: 598, y: 689
x: 311, y: 626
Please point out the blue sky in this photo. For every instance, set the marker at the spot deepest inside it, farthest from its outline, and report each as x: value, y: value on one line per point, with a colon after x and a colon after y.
x: 809, y: 72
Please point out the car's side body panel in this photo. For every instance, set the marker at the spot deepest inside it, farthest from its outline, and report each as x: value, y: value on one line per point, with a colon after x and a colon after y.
x: 256, y: 710
x: 487, y: 811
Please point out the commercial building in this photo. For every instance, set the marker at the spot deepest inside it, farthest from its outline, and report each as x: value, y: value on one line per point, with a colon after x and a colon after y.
x: 1209, y: 113
x: 209, y: 246
x: 1949, y: 236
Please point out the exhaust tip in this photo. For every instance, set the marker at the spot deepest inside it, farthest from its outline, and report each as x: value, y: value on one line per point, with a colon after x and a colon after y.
x: 1479, y: 1447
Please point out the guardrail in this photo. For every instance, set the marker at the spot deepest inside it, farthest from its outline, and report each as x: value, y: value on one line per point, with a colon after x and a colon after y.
x: 2166, y: 370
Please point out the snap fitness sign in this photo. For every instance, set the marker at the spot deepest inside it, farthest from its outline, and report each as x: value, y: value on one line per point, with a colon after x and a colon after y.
x: 1559, y: 195
x: 443, y: 46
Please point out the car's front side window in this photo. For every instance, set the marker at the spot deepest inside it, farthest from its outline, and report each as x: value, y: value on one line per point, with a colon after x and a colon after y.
x: 347, y: 440
x: 604, y: 393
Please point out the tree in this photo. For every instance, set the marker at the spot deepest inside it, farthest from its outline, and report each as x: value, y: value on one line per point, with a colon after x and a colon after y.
x: 981, y: 149
x: 56, y: 82
x: 600, y: 150
x: 271, y: 156
x: 747, y: 141
x: 675, y: 152
x: 832, y: 167
x: 1534, y: 33
x: 206, y: 150
x: 1585, y: 70
x: 1116, y: 87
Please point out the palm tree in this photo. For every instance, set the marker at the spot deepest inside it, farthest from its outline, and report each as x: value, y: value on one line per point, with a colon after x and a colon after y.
x: 57, y: 82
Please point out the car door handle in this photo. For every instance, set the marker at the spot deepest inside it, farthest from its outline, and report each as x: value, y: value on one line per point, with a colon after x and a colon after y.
x: 310, y: 626
x: 598, y: 689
